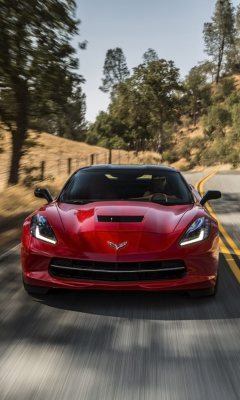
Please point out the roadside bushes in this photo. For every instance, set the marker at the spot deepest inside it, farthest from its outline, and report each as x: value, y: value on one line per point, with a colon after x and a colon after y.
x: 170, y: 156
x: 236, y: 121
x: 215, y: 121
x: 233, y: 158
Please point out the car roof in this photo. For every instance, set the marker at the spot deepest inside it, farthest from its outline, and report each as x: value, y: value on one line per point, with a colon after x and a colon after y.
x: 142, y: 168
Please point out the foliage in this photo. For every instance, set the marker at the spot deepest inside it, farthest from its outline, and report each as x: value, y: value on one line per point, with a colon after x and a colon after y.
x: 236, y: 121
x: 185, y: 150
x: 70, y: 124
x: 233, y: 53
x: 222, y: 147
x: 232, y: 157
x: 216, y: 120
x: 224, y: 89
x: 170, y: 156
x: 107, y: 132
x: 218, y: 34
x: 198, y: 142
x: 197, y: 93
x: 150, y: 55
x: 143, y: 107
x: 158, y: 83
x: 227, y: 87
x: 37, y: 63
x: 233, y: 98
x: 185, y: 168
x: 114, y: 70
x: 208, y: 157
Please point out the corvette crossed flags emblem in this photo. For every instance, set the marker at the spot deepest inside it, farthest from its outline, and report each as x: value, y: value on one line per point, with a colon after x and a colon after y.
x: 119, y: 246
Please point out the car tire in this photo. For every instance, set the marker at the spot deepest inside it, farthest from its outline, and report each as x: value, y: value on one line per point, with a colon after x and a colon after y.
x: 205, y: 292
x: 35, y: 289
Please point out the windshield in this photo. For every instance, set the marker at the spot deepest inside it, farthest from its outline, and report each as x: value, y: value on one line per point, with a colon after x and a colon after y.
x: 165, y: 187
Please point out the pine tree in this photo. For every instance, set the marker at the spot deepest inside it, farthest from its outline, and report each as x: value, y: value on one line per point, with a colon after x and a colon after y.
x: 150, y: 55
x: 218, y: 34
x: 114, y: 70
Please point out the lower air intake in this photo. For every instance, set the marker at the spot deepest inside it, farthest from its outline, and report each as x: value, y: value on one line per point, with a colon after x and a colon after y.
x: 117, y: 272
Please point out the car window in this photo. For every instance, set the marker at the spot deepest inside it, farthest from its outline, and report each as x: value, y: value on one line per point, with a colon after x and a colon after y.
x: 161, y: 186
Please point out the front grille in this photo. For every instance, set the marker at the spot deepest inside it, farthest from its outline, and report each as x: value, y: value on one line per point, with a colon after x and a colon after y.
x: 117, y: 272
x: 116, y: 218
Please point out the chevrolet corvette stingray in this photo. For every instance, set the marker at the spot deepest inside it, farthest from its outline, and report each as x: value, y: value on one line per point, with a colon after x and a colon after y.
x: 123, y: 227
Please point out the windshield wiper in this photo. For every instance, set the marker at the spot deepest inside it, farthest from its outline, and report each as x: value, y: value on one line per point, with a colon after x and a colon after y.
x: 80, y: 201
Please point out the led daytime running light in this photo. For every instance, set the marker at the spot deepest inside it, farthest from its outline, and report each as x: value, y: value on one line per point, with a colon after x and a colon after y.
x: 41, y: 229
x: 39, y: 236
x: 198, y: 231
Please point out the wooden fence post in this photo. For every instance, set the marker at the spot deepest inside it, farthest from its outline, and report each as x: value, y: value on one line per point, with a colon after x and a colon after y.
x: 110, y: 156
x: 69, y: 165
x: 92, y: 159
x: 42, y: 169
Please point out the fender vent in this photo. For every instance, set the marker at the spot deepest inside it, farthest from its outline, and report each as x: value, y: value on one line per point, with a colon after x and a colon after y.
x: 113, y: 218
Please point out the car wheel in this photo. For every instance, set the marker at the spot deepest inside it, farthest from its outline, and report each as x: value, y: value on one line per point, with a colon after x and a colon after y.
x: 35, y: 289
x: 205, y: 292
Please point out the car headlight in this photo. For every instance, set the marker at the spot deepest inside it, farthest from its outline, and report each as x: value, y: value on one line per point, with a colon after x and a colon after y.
x: 198, y: 231
x: 41, y: 229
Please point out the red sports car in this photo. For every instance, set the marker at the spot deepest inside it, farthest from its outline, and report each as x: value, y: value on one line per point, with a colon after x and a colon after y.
x: 122, y: 228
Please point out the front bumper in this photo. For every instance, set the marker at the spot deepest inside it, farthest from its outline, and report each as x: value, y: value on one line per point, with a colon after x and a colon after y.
x: 201, y: 272
x: 200, y: 260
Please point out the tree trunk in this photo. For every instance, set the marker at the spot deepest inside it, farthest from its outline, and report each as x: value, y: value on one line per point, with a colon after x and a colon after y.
x: 19, y: 134
x: 220, y: 57
x: 161, y: 138
x: 194, y: 118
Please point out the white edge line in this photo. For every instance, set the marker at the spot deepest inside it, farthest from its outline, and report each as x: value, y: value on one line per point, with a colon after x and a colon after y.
x: 4, y: 255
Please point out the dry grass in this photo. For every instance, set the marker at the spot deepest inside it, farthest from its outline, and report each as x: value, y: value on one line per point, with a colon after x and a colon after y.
x: 55, y: 152
x: 17, y: 202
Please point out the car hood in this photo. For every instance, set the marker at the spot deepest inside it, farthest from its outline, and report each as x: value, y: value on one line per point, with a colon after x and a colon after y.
x: 121, y: 216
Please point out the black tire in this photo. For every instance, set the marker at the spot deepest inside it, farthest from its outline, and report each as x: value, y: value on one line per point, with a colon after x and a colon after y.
x: 205, y: 292
x: 35, y: 289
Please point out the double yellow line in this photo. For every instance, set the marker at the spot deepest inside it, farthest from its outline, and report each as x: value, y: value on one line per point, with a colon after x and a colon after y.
x: 232, y: 264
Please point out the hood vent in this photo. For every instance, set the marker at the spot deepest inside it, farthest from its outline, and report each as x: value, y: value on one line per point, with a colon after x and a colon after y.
x: 107, y: 218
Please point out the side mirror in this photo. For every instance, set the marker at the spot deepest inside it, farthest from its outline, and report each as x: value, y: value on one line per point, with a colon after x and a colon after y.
x: 44, y: 194
x: 210, y: 195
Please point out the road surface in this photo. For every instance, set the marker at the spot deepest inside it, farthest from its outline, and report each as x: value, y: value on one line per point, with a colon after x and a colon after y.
x: 124, y: 345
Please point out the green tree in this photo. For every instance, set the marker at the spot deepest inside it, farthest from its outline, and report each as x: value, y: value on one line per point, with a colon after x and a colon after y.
x: 37, y: 63
x: 236, y: 121
x: 129, y: 107
x: 70, y: 123
x: 115, y: 69
x: 150, y: 55
x: 158, y: 83
x: 218, y: 34
x: 233, y: 53
x: 106, y: 131
x: 216, y: 120
x: 197, y: 92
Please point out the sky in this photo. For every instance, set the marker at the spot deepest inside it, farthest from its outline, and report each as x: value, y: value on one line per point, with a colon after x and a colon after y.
x: 173, y: 28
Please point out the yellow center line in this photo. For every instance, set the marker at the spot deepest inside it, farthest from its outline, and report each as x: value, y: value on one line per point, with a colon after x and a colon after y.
x: 229, y: 260
x: 232, y: 264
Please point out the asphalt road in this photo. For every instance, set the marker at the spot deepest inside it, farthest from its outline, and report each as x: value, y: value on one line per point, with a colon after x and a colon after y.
x: 117, y: 345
